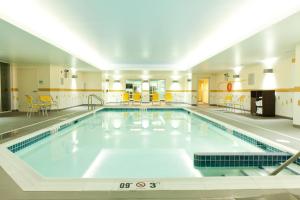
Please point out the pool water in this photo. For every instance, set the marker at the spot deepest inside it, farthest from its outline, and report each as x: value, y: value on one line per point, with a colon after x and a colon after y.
x: 132, y: 144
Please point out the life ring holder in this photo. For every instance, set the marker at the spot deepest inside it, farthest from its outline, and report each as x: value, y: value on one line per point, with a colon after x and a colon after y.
x: 229, y: 87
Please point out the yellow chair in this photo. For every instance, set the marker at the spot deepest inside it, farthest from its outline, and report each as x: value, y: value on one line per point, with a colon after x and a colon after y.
x: 168, y: 97
x: 33, y: 106
x: 125, y: 97
x: 155, y: 97
x: 240, y: 103
x: 48, y: 101
x: 228, y: 104
x: 137, y: 97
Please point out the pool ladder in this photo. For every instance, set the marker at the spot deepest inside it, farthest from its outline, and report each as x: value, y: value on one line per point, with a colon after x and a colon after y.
x: 285, y: 164
x: 143, y: 109
x: 92, y: 106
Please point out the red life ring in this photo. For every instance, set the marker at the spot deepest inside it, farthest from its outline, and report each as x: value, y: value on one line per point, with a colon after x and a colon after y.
x: 229, y: 87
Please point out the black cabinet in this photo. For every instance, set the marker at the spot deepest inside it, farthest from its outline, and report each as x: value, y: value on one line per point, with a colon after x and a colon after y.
x: 263, y: 103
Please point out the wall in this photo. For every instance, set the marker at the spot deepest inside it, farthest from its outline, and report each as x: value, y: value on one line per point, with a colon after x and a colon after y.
x: 67, y: 91
x: 51, y: 80
x: 181, y: 90
x: 280, y: 81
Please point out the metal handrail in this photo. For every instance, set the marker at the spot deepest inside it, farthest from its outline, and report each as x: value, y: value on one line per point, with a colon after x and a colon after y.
x: 285, y: 164
x: 90, y: 101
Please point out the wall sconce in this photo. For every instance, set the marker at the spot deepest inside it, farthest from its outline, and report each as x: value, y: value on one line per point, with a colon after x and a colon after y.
x: 107, y: 80
x: 236, y: 76
x: 145, y: 81
x: 226, y: 76
x: 189, y: 80
x: 175, y: 81
x: 66, y: 73
x: 74, y: 76
x: 117, y: 81
x: 268, y: 71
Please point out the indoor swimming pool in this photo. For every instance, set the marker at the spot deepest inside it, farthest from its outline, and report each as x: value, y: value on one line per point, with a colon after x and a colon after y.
x: 136, y: 143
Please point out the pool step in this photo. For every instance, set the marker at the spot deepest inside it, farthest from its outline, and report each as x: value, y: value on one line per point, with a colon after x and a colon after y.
x: 284, y: 172
x: 294, y: 168
x: 254, y: 172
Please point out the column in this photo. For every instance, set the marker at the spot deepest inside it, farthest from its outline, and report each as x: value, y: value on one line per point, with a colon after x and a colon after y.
x: 296, y: 81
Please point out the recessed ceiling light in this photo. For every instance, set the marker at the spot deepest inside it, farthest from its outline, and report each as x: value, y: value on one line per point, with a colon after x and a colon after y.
x: 237, y: 70
x: 269, y: 62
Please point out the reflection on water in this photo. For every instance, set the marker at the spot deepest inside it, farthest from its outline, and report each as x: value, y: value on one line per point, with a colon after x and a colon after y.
x: 114, y: 144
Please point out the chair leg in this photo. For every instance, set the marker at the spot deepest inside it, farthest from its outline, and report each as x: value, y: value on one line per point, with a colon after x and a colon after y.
x: 30, y: 111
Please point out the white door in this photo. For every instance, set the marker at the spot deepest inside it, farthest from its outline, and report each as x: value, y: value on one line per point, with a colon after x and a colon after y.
x: 27, y: 85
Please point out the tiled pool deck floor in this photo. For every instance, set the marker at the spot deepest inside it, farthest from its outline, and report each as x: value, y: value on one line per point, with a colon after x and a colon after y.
x: 279, y: 130
x: 274, y: 129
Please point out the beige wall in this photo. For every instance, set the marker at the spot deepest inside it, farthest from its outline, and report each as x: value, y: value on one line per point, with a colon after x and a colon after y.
x: 50, y: 80
x: 281, y: 81
x: 182, y: 90
x: 67, y: 91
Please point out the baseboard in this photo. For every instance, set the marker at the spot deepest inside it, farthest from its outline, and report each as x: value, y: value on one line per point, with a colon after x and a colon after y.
x: 296, y: 126
x: 284, y: 117
x: 59, y: 109
x: 281, y: 116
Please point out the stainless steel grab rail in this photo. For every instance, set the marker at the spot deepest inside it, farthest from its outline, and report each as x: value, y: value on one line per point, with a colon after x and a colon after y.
x: 285, y: 164
x: 90, y: 101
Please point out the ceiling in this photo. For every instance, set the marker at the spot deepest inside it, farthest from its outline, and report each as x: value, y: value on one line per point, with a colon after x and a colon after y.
x: 18, y: 46
x: 276, y: 41
x: 139, y: 34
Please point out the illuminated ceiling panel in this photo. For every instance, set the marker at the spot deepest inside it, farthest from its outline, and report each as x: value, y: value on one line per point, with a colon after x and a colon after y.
x: 147, y: 34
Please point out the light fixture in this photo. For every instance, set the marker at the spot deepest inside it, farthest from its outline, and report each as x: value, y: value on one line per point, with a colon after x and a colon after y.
x: 236, y: 76
x: 145, y: 81
x: 268, y: 71
x: 107, y: 80
x: 74, y: 76
x: 117, y: 81
x: 189, y: 80
x: 175, y: 81
x: 66, y: 73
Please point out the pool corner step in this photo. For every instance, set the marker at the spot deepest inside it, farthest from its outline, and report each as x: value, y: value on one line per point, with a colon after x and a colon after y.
x: 239, y: 159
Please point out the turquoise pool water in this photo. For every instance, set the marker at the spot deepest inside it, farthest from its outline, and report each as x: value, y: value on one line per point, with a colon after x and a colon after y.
x: 132, y: 144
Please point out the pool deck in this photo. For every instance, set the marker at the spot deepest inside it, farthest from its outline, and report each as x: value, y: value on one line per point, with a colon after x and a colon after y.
x: 278, y: 130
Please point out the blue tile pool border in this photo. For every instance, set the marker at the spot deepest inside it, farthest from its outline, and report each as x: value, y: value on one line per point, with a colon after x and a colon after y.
x: 255, y: 142
x: 141, y: 109
x: 25, y: 143
x: 241, y: 136
x: 238, y: 159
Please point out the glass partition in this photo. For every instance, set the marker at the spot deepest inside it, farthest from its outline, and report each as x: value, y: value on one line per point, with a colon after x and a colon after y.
x: 133, y: 86
x: 158, y: 86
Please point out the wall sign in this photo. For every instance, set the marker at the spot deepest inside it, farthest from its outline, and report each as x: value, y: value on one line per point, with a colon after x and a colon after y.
x: 138, y: 185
